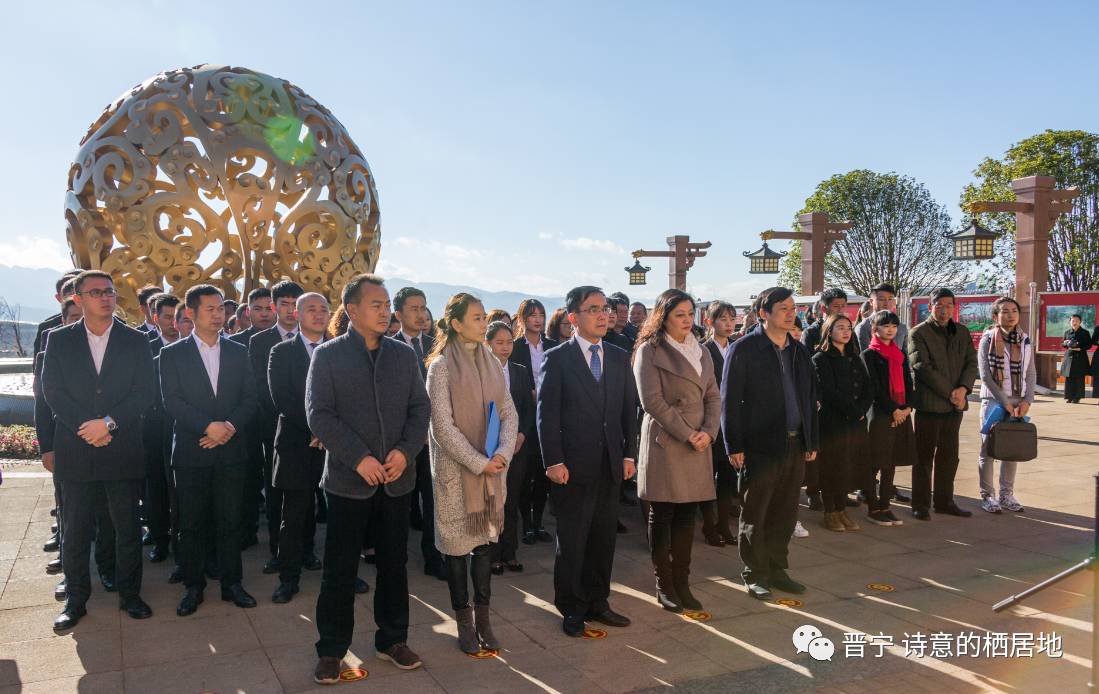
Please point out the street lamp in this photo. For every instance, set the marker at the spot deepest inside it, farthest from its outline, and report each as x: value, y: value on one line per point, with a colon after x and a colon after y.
x: 764, y: 261
x: 637, y: 273
x: 973, y: 243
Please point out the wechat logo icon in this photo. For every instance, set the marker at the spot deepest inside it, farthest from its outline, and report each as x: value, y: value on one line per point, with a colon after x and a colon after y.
x: 809, y: 639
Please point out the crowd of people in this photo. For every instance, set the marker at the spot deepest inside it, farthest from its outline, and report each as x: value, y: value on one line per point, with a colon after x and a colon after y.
x: 180, y: 434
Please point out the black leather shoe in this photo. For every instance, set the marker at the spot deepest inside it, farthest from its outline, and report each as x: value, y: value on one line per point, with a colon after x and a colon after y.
x: 573, y: 626
x: 54, y: 566
x: 135, y: 607
x: 782, y: 581
x: 713, y: 538
x: 190, y: 602
x: 610, y: 618
x: 271, y: 566
x: 497, y: 568
x: 543, y: 535
x: 901, y: 496
x: 513, y: 566
x: 529, y: 537
x: 53, y: 512
x: 108, y: 583
x: 158, y: 554
x: 176, y: 576
x: 69, y: 617
x: 53, y: 529
x: 621, y: 529
x: 312, y: 563
x: 952, y: 509
x: 59, y: 591
x: 147, y: 539
x: 53, y: 544
x: 238, y: 596
x: 361, y: 586
x: 284, y: 593
x: 920, y: 514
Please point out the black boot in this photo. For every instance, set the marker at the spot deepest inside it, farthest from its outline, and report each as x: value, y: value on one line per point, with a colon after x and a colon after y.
x: 682, y: 585
x: 665, y: 593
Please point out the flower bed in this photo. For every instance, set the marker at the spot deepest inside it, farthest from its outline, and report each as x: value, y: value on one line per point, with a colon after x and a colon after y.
x: 18, y: 441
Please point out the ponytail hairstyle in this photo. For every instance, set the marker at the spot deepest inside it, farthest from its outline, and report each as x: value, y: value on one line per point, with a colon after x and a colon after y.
x: 456, y: 310
x: 653, y: 330
x: 494, y: 329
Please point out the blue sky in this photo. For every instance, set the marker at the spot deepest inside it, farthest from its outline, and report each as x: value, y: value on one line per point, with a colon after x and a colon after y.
x: 531, y: 146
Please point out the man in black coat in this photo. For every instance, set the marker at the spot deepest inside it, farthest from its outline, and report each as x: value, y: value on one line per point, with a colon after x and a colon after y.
x: 148, y: 326
x: 769, y: 402
x: 156, y: 501
x: 62, y: 291
x: 299, y: 456
x: 410, y: 307
x: 587, y: 425
x: 284, y: 296
x: 98, y: 381
x: 208, y: 390
x: 366, y: 402
x: 521, y: 387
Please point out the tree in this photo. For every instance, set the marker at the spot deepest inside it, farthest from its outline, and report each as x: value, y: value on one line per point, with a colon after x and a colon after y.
x: 10, y: 314
x: 896, y: 237
x: 1071, y: 157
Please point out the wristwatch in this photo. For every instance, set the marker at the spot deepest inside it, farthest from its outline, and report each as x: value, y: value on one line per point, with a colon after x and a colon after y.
x: 111, y: 425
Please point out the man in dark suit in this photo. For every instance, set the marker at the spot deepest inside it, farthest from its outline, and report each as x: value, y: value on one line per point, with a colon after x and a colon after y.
x: 261, y: 309
x: 143, y: 295
x: 529, y: 352
x: 299, y: 456
x: 156, y: 502
x: 284, y: 296
x: 521, y: 387
x: 366, y: 403
x: 209, y: 391
x: 63, y: 290
x: 98, y: 381
x: 769, y: 400
x: 587, y: 423
x: 410, y: 307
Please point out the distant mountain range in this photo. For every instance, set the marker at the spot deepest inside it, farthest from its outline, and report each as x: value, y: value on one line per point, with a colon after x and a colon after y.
x: 32, y: 290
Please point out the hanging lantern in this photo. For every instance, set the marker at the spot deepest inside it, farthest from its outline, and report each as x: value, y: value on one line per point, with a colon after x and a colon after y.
x: 637, y: 273
x: 764, y: 261
x: 973, y: 243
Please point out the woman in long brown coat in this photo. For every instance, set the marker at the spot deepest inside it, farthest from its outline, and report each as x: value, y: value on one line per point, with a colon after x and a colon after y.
x: 682, y: 403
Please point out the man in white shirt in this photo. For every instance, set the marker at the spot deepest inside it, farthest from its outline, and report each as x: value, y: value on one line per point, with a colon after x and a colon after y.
x: 143, y: 296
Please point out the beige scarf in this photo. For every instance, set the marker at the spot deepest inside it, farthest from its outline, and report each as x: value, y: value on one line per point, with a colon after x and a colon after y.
x: 476, y: 381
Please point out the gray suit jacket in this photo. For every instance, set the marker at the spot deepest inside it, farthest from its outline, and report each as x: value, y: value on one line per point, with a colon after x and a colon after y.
x: 360, y: 405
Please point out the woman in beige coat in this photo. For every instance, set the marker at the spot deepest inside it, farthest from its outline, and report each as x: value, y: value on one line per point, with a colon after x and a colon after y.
x: 682, y: 403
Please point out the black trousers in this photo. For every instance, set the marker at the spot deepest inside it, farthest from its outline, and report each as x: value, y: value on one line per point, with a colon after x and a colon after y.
x: 209, y: 506
x: 478, y: 565
x: 587, y: 522
x: 252, y: 491
x: 770, y: 510
x: 504, y: 550
x: 536, y: 487
x: 1075, y: 387
x: 936, y: 455
x: 716, y: 514
x: 671, y: 534
x: 272, y: 498
x: 157, y: 501
x: 425, y: 494
x: 299, y: 525
x: 81, y: 500
x: 104, y: 531
x: 348, y: 520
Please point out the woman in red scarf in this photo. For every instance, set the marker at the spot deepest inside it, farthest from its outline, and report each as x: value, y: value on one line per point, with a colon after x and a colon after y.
x: 891, y: 437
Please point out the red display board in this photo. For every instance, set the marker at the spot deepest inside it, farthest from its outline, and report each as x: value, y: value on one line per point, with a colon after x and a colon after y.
x: 1054, y: 311
x: 974, y: 311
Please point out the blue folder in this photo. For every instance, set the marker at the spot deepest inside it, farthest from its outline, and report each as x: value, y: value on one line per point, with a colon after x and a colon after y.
x: 492, y: 430
x: 996, y: 414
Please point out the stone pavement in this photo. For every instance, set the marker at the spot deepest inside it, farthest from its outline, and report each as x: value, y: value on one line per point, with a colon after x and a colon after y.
x: 939, y: 577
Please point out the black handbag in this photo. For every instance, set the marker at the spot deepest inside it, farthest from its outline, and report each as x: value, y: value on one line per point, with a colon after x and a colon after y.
x: 1013, y: 441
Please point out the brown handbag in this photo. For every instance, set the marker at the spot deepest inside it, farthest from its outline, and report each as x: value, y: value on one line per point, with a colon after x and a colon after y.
x: 1013, y: 440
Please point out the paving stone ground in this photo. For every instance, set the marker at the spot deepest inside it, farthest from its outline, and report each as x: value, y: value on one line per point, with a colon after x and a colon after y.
x: 945, y: 575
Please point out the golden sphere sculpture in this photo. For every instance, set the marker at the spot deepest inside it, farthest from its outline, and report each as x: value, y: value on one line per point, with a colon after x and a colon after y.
x: 222, y: 175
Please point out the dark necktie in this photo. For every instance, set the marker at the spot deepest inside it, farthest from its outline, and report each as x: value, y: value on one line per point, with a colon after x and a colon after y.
x: 418, y: 348
x: 596, y: 363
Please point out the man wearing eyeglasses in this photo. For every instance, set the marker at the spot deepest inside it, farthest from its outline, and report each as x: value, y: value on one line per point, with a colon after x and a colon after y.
x: 98, y: 380
x: 587, y: 425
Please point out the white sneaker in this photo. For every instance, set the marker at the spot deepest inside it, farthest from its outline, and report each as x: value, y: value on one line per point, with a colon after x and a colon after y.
x: 800, y: 531
x: 990, y: 505
x: 1010, y: 503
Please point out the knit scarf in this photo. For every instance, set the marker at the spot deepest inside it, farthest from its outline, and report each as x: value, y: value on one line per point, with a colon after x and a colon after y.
x: 894, y: 357
x: 1007, y: 347
x: 476, y: 381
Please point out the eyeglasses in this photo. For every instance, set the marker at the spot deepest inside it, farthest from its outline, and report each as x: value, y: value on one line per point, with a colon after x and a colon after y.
x: 596, y: 310
x: 99, y: 293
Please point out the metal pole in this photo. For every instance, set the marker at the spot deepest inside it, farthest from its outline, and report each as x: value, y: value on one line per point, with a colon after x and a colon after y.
x: 1095, y: 596
x: 1032, y: 323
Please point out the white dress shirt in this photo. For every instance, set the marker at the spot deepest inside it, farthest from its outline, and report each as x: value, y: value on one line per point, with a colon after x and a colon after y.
x: 285, y: 334
x: 211, y: 359
x: 98, y: 345
x: 308, y: 348
x: 507, y: 376
x: 537, y: 353
x: 585, y: 348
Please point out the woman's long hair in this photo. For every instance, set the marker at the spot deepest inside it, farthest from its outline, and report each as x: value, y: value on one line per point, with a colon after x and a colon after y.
x: 456, y: 310
x: 553, y: 327
x: 825, y: 343
x: 337, y: 324
x: 653, y: 329
x: 527, y: 307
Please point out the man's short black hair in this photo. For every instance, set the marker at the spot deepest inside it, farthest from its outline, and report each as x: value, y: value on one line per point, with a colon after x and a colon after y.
x: 147, y: 292
x: 884, y: 318
x: 161, y: 300
x: 619, y: 297
x: 68, y: 303
x: 941, y: 293
x: 769, y: 297
x: 195, y: 294
x: 1078, y: 317
x: 578, y: 295
x: 831, y: 294
x: 239, y: 311
x: 60, y: 283
x: 405, y: 293
x: 884, y: 287
x: 286, y: 289
x: 68, y: 288
x: 83, y: 277
x: 614, y: 302
x: 232, y: 303
x: 255, y: 295
x: 352, y: 291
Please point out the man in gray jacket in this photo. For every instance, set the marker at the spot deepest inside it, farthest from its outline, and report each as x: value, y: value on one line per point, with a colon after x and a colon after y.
x: 366, y: 403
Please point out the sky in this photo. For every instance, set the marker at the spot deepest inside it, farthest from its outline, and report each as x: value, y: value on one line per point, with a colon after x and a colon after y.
x: 531, y: 146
